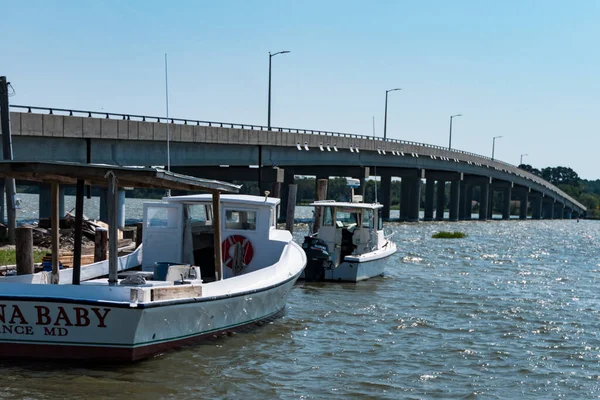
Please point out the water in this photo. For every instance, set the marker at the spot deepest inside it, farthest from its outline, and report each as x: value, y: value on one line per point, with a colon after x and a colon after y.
x: 511, y: 311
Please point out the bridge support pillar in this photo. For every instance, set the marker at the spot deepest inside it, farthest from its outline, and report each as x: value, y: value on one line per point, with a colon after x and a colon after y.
x: 45, y: 201
x: 404, y: 199
x: 288, y: 179
x: 454, y: 199
x: 559, y: 210
x: 468, y: 202
x: 429, y: 189
x: 462, y: 201
x: 536, y: 206
x: 523, y: 206
x: 548, y: 208
x: 506, y: 202
x: 441, y: 197
x: 484, y: 201
x: 386, y: 194
x: 414, y: 193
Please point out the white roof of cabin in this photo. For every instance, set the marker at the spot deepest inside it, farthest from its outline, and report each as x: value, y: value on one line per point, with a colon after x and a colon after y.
x: 226, y: 198
x: 331, y: 203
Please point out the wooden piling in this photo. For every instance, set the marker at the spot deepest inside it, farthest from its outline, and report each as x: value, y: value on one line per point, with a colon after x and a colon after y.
x: 24, y: 250
x: 100, y: 244
x: 138, y: 234
x: 54, y: 218
x: 276, y: 190
x: 291, y: 207
x: 321, y: 195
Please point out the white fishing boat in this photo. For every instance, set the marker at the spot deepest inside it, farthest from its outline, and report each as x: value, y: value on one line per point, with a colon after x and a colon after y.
x: 210, y: 264
x: 348, y: 242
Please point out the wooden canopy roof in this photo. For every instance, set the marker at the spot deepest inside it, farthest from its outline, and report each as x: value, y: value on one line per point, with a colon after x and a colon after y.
x: 98, y: 174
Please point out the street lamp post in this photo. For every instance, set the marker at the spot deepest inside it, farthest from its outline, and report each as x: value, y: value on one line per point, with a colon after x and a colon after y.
x: 522, y: 155
x: 494, y: 145
x: 269, y: 107
x: 450, y: 140
x: 385, y: 115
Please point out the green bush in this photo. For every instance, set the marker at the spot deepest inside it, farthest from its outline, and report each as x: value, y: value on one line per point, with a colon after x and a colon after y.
x: 448, y: 235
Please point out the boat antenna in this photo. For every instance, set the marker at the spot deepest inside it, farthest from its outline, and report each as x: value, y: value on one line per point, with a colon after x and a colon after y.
x: 375, y: 166
x: 167, y: 124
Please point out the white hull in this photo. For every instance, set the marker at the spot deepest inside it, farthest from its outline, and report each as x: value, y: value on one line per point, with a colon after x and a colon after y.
x: 98, y: 321
x: 361, y: 267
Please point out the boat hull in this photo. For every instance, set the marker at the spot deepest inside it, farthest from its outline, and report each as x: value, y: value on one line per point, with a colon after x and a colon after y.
x: 63, y: 329
x: 359, y: 268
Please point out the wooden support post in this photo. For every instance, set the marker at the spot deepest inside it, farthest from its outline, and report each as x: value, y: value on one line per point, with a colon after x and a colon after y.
x: 55, y: 232
x: 139, y: 234
x: 78, y: 232
x: 113, y: 233
x: 291, y: 207
x: 276, y: 190
x: 11, y: 212
x: 100, y: 244
x: 321, y: 195
x: 216, y: 203
x: 24, y: 251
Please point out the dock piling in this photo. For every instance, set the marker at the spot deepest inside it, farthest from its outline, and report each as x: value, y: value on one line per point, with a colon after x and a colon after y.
x: 24, y: 250
x: 291, y: 207
x: 100, y: 244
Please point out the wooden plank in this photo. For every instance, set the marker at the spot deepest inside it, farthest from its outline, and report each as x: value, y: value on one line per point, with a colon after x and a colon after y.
x: 68, y: 260
x: 176, y: 292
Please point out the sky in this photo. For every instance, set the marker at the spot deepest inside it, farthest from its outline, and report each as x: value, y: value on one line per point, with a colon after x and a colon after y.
x: 528, y: 71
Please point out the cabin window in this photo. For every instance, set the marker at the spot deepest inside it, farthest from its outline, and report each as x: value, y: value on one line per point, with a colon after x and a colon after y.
x: 327, y: 216
x: 240, y: 220
x: 197, y: 212
x: 379, y: 220
x: 162, y: 217
x: 368, y: 218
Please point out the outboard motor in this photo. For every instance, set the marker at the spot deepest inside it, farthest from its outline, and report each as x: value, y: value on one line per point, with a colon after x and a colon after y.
x: 317, y: 256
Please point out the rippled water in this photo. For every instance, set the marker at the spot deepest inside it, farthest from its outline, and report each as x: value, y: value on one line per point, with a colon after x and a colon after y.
x: 511, y: 311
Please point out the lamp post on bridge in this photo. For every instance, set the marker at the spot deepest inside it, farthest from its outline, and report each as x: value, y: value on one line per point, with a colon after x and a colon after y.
x: 494, y: 145
x: 269, y: 107
x: 385, y: 114
x: 450, y: 139
x: 522, y: 155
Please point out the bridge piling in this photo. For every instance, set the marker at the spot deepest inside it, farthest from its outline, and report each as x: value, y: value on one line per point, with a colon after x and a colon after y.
x: 441, y: 199
x: 454, y: 199
x: 506, y: 202
x: 484, y: 201
x: 429, y: 194
x: 524, y: 203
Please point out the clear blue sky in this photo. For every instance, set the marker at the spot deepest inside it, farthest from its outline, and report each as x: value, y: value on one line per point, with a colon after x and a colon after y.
x: 527, y: 70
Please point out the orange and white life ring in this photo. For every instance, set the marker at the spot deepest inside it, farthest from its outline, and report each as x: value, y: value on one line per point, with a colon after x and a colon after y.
x: 236, y: 252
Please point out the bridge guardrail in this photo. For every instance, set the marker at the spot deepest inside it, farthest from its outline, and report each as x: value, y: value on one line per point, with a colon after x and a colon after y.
x: 452, y: 153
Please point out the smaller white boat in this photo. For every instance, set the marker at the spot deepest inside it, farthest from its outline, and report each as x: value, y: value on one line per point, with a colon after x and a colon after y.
x: 349, y: 243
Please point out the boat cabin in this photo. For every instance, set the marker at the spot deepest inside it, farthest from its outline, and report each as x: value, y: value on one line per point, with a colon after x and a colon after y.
x: 349, y: 228
x: 180, y: 230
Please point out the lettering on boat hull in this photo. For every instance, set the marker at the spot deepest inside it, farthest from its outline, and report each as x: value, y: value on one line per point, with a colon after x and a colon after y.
x: 17, y: 319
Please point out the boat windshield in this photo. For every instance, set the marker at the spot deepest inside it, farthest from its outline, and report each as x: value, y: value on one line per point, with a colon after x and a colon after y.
x: 347, y: 218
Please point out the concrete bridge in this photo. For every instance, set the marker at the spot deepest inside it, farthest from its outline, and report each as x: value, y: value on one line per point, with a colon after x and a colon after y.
x: 225, y: 151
